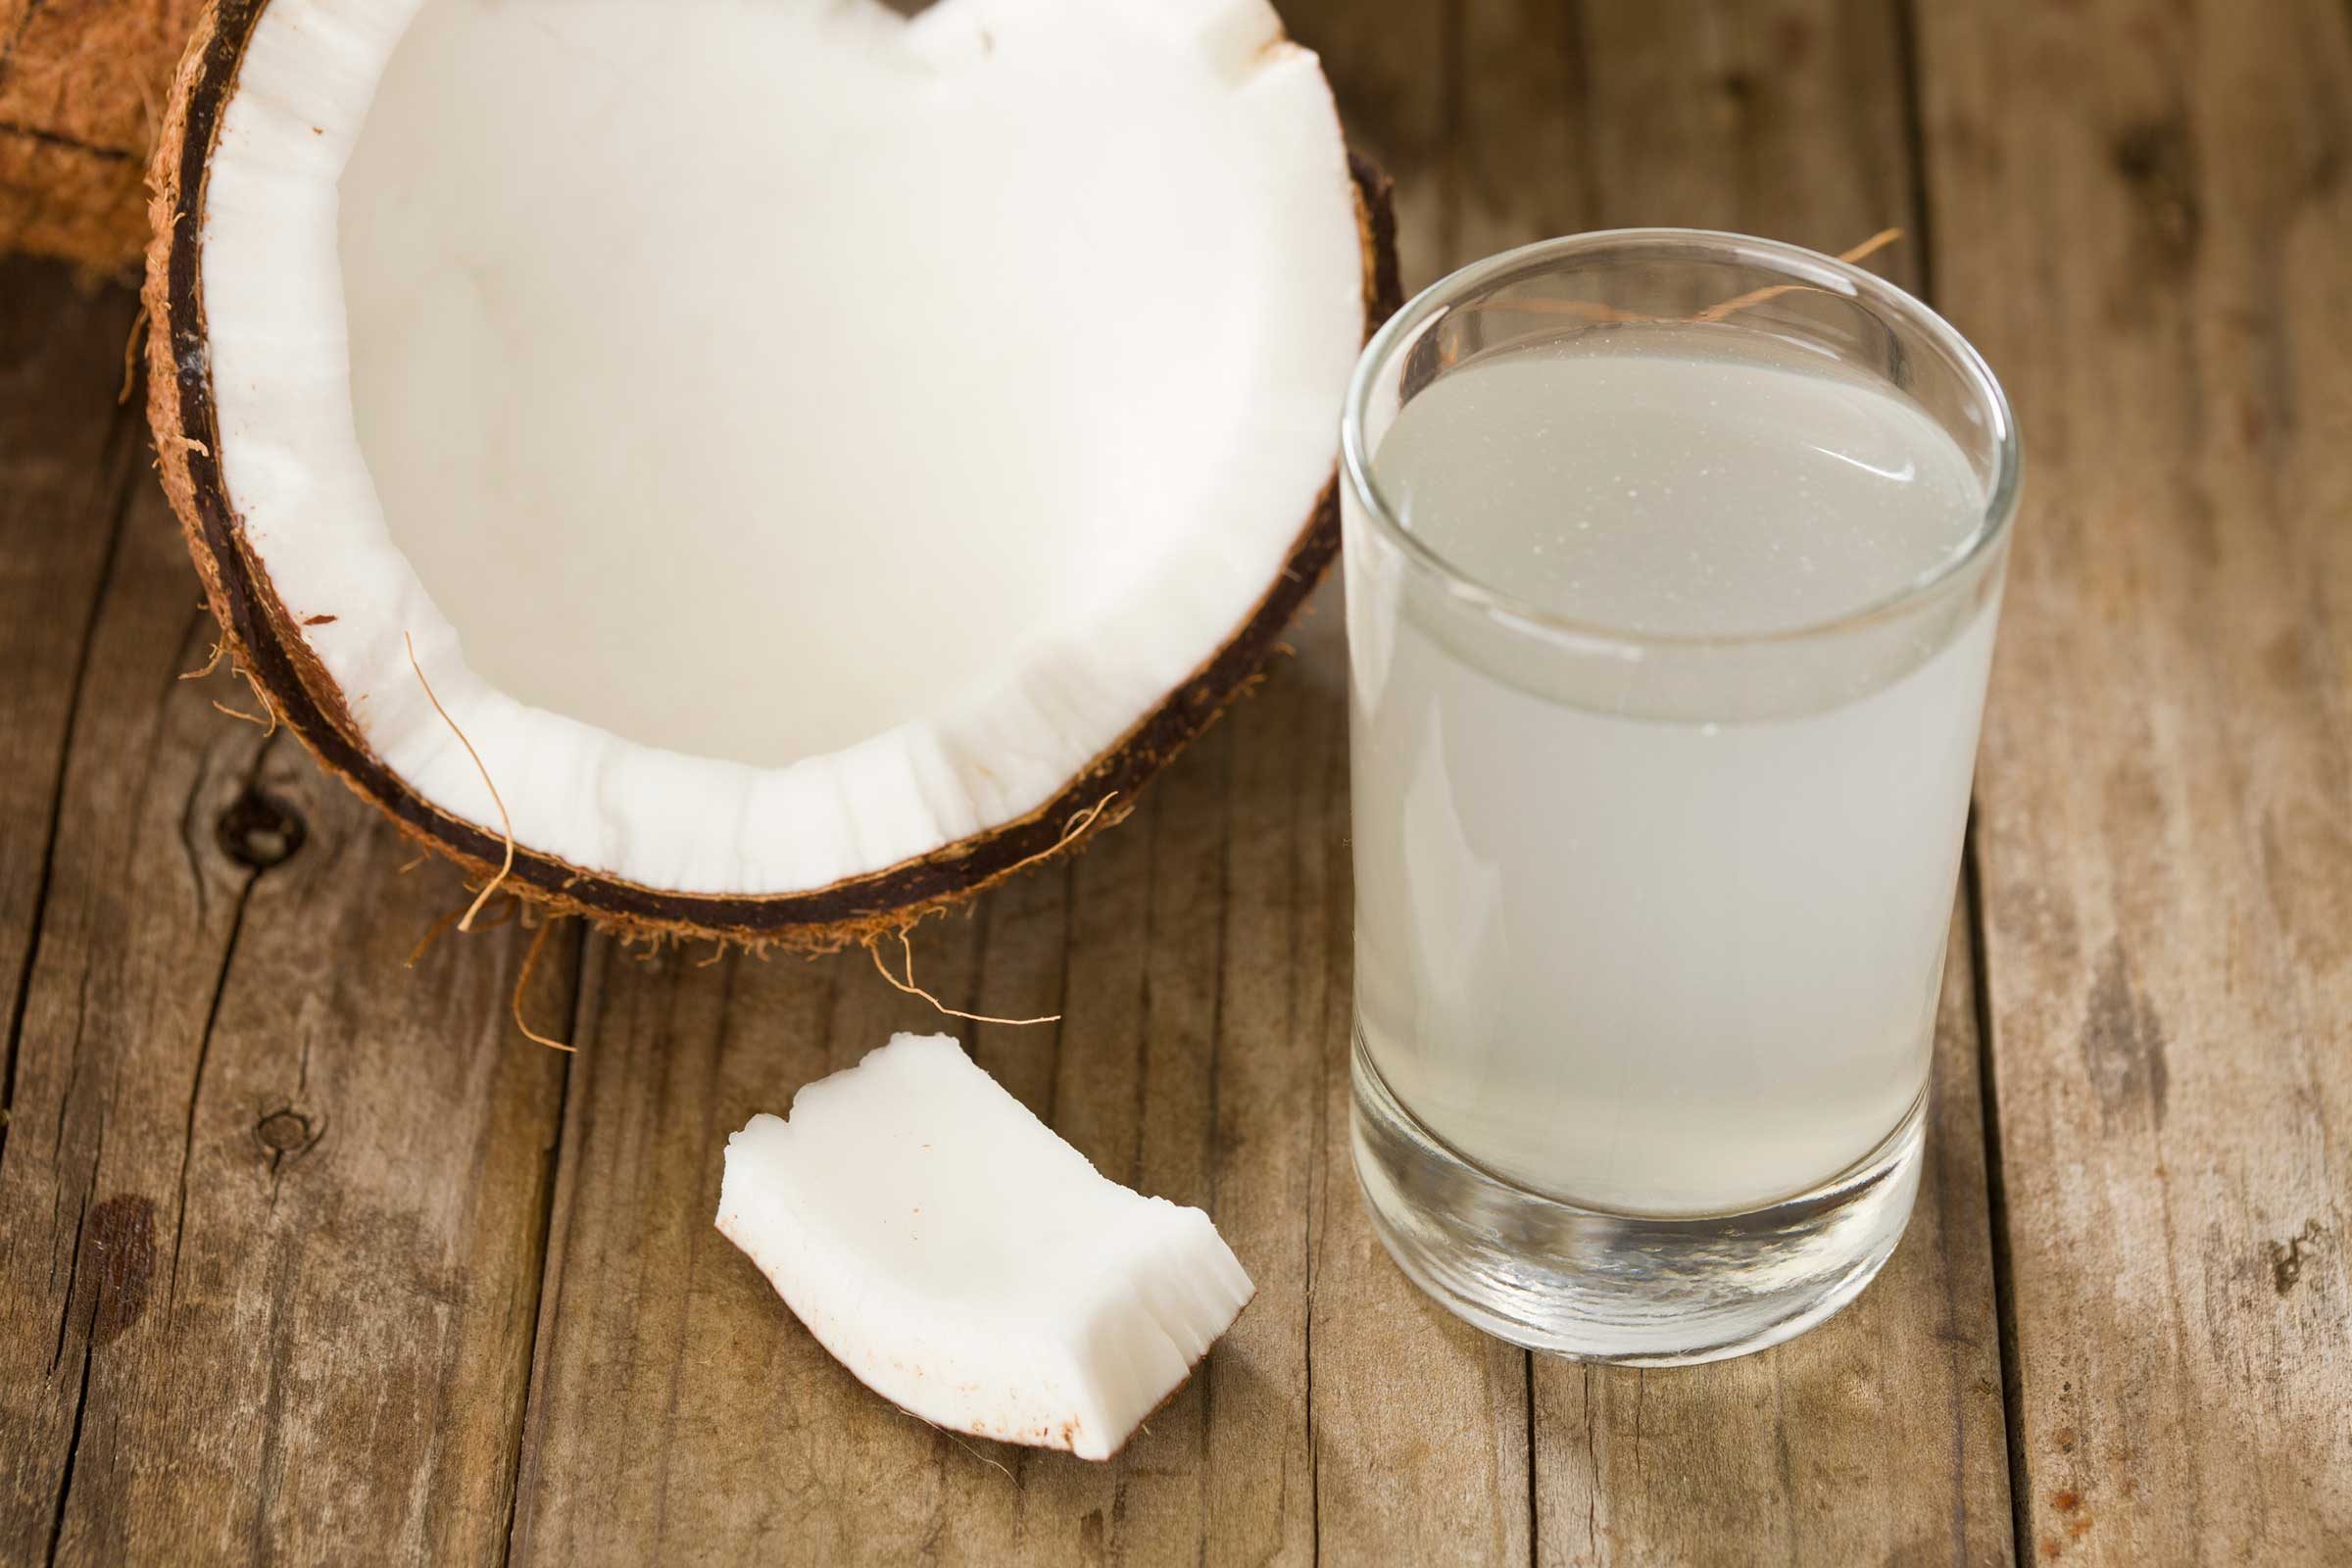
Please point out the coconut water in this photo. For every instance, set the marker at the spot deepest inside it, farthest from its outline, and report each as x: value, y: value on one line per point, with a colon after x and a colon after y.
x: 1656, y: 863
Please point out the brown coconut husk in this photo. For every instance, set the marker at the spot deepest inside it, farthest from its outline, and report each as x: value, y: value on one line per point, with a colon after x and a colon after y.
x: 264, y: 637
x: 82, y: 97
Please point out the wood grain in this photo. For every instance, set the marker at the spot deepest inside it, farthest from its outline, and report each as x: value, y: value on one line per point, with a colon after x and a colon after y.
x: 1199, y: 957
x: 678, y: 1410
x: 270, y: 1207
x: 1878, y: 1436
x: 2143, y: 217
x: 308, y: 1257
x: 1422, y: 1424
x: 68, y: 468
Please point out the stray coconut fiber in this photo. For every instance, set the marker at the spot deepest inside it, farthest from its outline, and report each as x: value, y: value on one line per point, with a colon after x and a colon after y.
x: 968, y: 1265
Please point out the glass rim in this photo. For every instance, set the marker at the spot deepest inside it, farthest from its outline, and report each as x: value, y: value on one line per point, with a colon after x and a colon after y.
x: 1799, y: 266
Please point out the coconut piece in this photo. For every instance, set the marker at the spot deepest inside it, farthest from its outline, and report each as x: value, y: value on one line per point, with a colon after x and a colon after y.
x: 81, y: 91
x: 816, y: 455
x: 967, y: 1264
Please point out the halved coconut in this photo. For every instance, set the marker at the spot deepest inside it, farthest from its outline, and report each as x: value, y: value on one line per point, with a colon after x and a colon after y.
x: 816, y: 456
x: 966, y: 1263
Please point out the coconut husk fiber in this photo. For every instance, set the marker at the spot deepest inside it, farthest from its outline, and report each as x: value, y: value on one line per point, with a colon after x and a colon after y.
x: 264, y: 640
x: 83, y: 85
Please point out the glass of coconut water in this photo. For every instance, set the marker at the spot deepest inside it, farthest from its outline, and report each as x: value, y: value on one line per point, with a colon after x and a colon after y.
x: 1673, y: 561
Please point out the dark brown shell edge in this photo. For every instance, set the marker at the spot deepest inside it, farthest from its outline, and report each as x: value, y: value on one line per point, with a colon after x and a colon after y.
x: 260, y: 632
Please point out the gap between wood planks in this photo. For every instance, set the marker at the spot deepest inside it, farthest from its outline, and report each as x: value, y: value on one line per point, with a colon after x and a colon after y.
x: 1996, y: 1200
x: 1910, y: 59
x: 122, y: 444
x: 547, y: 1288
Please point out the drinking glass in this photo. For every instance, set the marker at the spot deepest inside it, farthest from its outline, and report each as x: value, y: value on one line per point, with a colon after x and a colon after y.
x: 1650, y: 925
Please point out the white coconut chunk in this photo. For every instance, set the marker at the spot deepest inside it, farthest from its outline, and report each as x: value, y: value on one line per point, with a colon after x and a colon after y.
x: 967, y: 1264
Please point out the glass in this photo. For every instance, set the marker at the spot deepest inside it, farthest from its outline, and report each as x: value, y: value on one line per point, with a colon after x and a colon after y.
x: 1653, y: 884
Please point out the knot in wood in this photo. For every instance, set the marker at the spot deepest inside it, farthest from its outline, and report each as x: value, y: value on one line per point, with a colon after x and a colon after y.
x: 260, y: 831
x: 283, y: 1132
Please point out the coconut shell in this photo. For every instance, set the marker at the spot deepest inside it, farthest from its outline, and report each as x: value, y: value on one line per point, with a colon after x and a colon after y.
x: 262, y: 636
x: 82, y: 92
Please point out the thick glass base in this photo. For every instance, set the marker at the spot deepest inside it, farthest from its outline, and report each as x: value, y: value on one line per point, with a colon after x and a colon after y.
x: 1634, y: 1290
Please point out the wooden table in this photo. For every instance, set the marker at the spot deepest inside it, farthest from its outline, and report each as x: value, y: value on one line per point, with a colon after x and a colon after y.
x: 307, y: 1257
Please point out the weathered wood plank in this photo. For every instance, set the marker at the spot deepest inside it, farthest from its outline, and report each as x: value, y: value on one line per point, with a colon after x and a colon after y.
x: 68, y: 462
x: 680, y: 1411
x: 269, y: 1209
x: 239, y: 1323
x: 656, y: 1394
x: 2143, y: 215
x: 66, y: 471
x: 1523, y: 161
x: 1420, y: 1425
x: 136, y: 925
x: 1395, y: 72
x: 1878, y: 1436
x: 677, y: 1409
x: 1785, y: 119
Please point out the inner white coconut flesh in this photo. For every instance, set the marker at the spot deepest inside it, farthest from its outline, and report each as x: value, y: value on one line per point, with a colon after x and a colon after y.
x: 796, y: 437
x: 966, y: 1263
